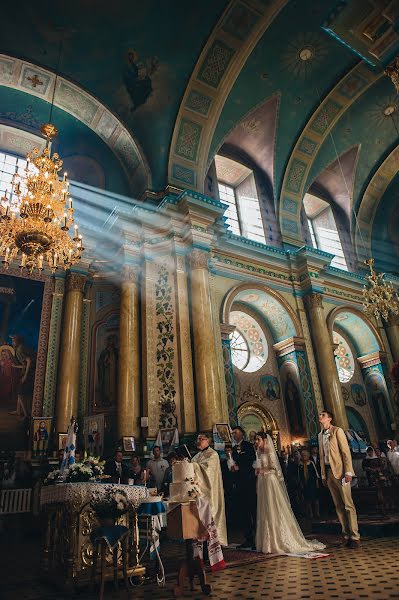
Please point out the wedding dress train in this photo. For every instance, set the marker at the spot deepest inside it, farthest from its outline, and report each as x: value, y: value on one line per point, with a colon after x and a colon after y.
x: 277, y: 530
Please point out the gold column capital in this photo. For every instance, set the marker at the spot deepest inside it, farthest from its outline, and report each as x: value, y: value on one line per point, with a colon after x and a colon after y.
x: 199, y: 259
x: 75, y: 282
x: 313, y: 300
x: 130, y: 273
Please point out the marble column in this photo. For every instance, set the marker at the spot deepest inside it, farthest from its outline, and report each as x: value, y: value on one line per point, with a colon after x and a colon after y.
x: 69, y: 364
x: 188, y: 416
x: 205, y: 356
x: 392, y: 331
x: 128, y: 414
x: 323, y: 349
x: 227, y: 330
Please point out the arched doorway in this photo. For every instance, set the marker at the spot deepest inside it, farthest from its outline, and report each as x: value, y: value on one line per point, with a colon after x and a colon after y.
x: 253, y: 418
x: 357, y: 423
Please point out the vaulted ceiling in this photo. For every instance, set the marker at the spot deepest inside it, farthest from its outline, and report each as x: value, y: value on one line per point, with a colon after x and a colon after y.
x: 297, y: 85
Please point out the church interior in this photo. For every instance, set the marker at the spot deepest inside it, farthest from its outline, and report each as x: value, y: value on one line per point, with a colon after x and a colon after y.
x: 199, y: 230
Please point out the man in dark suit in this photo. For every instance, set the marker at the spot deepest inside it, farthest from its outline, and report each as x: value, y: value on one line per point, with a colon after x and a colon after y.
x: 283, y: 458
x: 115, y: 468
x: 244, y: 456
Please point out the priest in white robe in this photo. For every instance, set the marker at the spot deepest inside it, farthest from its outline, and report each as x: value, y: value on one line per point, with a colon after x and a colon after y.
x: 209, y: 474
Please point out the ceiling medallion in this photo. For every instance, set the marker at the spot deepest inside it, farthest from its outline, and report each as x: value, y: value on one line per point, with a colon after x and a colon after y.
x: 390, y: 109
x: 36, y: 216
x: 306, y: 53
x: 380, y: 299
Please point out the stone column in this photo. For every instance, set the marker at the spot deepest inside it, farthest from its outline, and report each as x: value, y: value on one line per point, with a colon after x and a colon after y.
x: 188, y: 416
x: 129, y: 356
x: 392, y: 331
x: 205, y: 356
x: 323, y: 349
x: 69, y: 365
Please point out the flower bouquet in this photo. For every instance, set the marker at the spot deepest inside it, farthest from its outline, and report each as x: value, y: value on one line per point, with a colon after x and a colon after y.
x: 90, y: 469
x: 109, y: 504
x: 52, y: 477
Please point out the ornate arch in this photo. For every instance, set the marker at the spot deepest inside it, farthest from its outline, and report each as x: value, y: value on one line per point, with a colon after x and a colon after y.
x: 355, y: 328
x: 233, y: 296
x: 264, y: 415
x: 319, y: 126
x: 371, y: 200
x: 26, y: 77
x: 231, y: 42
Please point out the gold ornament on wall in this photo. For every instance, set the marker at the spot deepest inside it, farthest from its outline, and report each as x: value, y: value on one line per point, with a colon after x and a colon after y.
x: 392, y: 71
x: 380, y: 299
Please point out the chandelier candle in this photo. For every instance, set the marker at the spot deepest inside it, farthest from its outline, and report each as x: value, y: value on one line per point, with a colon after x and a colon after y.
x: 36, y: 218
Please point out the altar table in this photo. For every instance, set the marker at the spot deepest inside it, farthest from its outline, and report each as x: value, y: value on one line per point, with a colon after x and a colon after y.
x: 67, y: 555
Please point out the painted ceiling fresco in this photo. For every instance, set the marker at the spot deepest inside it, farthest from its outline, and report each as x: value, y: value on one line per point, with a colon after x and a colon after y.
x: 135, y: 57
x: 358, y: 332
x: 295, y: 58
x: 385, y: 235
x: 86, y: 157
x: 275, y: 315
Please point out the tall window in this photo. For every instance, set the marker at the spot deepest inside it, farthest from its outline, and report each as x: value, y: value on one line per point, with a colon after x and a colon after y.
x: 237, y: 188
x: 8, y: 165
x: 323, y: 229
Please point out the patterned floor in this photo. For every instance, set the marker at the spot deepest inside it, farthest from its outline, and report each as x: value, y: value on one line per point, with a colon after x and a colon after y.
x: 370, y: 572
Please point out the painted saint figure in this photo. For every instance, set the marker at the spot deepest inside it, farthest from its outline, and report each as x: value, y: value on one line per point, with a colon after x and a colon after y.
x: 293, y: 404
x: 107, y: 367
x: 25, y: 361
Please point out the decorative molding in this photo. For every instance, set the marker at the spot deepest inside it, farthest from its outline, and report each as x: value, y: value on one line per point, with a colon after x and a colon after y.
x: 316, y: 131
x: 374, y: 358
x: 289, y: 345
x: 229, y: 45
x: 69, y: 97
x: 226, y: 330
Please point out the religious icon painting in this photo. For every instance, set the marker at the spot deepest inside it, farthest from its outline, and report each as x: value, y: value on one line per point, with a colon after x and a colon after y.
x: 41, y: 428
x: 93, y: 432
x: 270, y: 387
x: 166, y: 436
x: 128, y: 444
x: 223, y: 432
x: 62, y: 438
x: 358, y: 394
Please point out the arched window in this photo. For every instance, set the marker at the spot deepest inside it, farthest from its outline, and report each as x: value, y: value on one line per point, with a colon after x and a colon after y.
x: 248, y: 343
x: 323, y: 229
x: 237, y: 189
x: 343, y: 358
x: 8, y: 165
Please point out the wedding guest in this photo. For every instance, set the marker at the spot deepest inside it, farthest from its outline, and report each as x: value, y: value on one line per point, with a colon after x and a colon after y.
x: 243, y: 457
x: 117, y: 471
x: 168, y: 477
x: 293, y: 483
x: 136, y: 472
x: 208, y: 472
x: 309, y: 481
x: 61, y: 452
x: 337, y: 472
x: 157, y: 467
x: 393, y: 455
x: 284, y: 460
x: 315, y: 458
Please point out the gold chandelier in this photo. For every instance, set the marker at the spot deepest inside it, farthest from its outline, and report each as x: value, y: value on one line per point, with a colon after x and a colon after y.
x: 379, y: 297
x: 36, y: 217
x: 392, y: 71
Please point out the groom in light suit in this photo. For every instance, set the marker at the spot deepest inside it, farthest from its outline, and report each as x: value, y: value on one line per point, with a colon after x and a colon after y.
x: 336, y: 466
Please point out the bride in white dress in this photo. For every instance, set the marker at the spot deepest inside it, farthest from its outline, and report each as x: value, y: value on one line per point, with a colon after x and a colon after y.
x: 277, y: 530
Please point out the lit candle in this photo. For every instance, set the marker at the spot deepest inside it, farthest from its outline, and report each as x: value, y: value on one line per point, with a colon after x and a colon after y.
x: 65, y: 175
x: 76, y: 233
x: 65, y: 220
x: 70, y: 203
x: 55, y: 261
x: 7, y: 254
x: 40, y: 262
x: 23, y: 261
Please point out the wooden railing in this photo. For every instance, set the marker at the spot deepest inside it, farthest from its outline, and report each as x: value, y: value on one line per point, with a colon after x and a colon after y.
x: 15, y: 501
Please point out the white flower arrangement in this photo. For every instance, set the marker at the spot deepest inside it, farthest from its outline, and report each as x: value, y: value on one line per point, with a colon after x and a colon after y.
x: 109, y: 503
